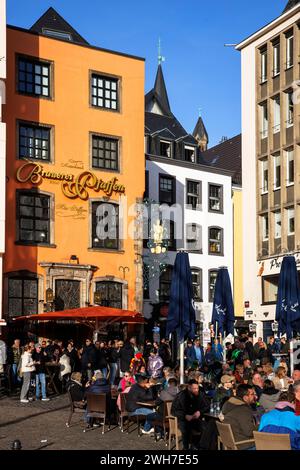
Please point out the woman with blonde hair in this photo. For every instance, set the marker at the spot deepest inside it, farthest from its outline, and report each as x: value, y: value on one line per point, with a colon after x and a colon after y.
x: 27, y: 367
x: 281, y: 381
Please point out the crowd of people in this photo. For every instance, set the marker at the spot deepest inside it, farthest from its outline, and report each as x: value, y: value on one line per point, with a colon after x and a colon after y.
x: 247, y: 385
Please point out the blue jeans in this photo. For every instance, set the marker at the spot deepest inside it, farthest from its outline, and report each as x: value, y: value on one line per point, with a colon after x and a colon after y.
x: 143, y: 412
x: 14, y: 370
x: 113, y: 372
x: 40, y: 378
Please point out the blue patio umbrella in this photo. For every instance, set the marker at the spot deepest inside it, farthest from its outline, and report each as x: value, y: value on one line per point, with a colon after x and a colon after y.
x: 288, y: 298
x: 181, y: 314
x: 223, y: 308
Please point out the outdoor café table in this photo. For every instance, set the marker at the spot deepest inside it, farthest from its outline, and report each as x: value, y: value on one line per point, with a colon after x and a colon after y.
x: 52, y: 370
x: 212, y: 416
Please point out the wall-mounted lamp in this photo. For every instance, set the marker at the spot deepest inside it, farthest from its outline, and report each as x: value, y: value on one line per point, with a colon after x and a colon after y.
x: 74, y: 259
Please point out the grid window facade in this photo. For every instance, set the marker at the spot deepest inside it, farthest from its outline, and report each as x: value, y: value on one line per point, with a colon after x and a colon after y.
x: 165, y: 284
x: 264, y: 65
x: 193, y: 194
x: 33, y: 77
x: 33, y: 217
x: 110, y: 294
x: 197, y: 284
x: 22, y: 296
x: 215, y: 242
x: 105, y: 225
x: 34, y: 142
x: 105, y: 92
x: 215, y: 196
x: 212, y: 277
x: 105, y: 152
x: 166, y: 190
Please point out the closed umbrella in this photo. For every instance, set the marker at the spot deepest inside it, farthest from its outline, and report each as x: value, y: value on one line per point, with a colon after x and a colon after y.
x: 288, y: 301
x: 181, y: 314
x: 223, y: 308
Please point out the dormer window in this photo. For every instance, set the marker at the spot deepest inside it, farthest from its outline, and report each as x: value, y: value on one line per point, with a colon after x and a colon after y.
x: 190, y: 154
x: 165, y: 148
x: 57, y: 34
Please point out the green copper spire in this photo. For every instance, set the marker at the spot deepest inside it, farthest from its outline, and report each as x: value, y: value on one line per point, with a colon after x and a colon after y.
x: 160, y: 57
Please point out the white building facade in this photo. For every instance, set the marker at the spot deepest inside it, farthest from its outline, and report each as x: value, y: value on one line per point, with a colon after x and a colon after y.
x: 196, y: 202
x: 2, y: 144
x: 270, y: 161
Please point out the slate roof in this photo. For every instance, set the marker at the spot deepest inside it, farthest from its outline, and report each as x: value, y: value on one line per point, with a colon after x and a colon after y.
x: 51, y: 20
x: 228, y: 156
x: 291, y: 4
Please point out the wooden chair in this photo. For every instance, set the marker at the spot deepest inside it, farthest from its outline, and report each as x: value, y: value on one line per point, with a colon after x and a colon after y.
x: 174, y: 431
x: 269, y: 441
x: 122, y: 413
x: 226, y: 438
x: 73, y: 409
x: 96, y: 407
x: 164, y: 422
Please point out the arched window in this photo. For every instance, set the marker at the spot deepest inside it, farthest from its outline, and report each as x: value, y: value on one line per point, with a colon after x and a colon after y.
x: 194, y: 237
x: 197, y: 284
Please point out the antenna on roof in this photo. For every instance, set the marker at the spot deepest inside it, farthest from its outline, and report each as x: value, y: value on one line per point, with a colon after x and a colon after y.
x: 160, y: 57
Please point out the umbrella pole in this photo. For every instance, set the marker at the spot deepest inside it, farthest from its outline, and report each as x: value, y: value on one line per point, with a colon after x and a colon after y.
x: 181, y: 352
x: 292, y: 356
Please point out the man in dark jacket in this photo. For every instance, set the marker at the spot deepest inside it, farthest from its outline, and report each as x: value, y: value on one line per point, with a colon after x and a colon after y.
x: 100, y: 358
x: 189, y: 407
x: 39, y: 358
x: 238, y: 413
x: 140, y: 392
x: 88, y: 359
x: 126, y: 354
x: 99, y: 385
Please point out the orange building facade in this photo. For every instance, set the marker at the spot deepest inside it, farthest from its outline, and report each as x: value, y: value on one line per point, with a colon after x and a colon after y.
x: 75, y: 170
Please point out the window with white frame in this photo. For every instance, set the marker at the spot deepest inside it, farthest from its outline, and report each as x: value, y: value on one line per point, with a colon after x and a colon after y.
x: 190, y: 153
x: 165, y: 148
x: 264, y: 176
x: 194, y: 237
x: 277, y: 172
x: 289, y: 109
x: 276, y: 102
x: 277, y: 224
x: 264, y: 65
x: 276, y: 59
x: 291, y: 221
x: 265, y: 227
x: 264, y: 120
x: 290, y: 166
x: 289, y: 50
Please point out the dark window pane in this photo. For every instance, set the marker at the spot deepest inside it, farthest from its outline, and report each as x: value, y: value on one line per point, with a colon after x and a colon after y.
x: 101, y: 87
x: 34, y: 71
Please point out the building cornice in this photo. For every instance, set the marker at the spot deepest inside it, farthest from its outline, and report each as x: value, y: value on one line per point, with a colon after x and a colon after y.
x: 88, y: 46
x: 269, y: 27
x: 192, y: 166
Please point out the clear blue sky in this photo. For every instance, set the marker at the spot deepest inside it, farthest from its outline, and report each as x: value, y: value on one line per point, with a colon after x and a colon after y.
x: 199, y: 71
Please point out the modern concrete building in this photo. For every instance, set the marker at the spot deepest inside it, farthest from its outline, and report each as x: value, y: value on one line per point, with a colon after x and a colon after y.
x: 270, y: 160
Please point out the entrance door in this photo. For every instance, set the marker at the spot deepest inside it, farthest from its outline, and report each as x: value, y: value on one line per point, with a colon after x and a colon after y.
x: 67, y: 294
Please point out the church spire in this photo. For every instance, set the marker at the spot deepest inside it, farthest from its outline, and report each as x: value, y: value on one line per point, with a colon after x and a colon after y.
x: 160, y: 90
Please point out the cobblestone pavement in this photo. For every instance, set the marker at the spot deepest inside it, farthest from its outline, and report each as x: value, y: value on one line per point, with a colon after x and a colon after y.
x: 42, y: 425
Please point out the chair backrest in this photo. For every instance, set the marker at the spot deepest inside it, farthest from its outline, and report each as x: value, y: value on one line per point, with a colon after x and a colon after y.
x: 96, y: 402
x: 71, y: 399
x: 269, y: 441
x: 123, y: 403
x: 169, y: 406
x: 226, y: 436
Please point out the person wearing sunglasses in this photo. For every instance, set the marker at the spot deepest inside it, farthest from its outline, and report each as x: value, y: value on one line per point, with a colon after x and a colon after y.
x: 126, y: 381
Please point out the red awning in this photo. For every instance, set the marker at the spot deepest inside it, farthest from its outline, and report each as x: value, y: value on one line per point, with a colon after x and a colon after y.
x: 104, y: 314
